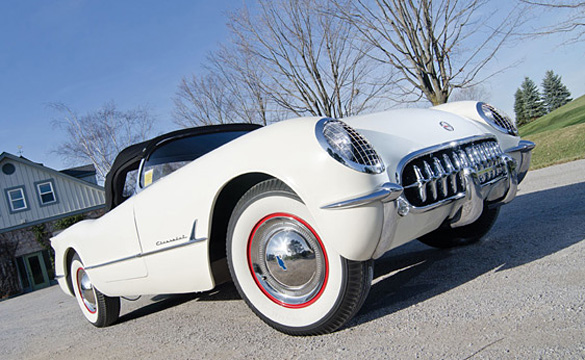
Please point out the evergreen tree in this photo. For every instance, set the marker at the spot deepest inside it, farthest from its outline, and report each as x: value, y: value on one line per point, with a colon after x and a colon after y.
x: 533, y: 107
x: 554, y: 93
x: 519, y: 107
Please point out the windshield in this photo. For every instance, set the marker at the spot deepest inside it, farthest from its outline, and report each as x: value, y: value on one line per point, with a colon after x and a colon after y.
x: 174, y: 154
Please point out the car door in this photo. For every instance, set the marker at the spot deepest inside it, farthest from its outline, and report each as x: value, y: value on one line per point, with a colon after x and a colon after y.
x: 167, y: 208
x: 157, y: 209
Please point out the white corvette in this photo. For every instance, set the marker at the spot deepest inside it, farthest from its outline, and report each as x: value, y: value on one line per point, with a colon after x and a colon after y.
x: 295, y: 212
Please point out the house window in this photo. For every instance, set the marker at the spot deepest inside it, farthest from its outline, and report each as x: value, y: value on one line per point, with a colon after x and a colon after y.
x: 46, y: 192
x: 16, y: 199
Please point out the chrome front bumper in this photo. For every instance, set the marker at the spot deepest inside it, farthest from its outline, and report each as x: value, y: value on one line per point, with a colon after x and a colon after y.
x: 523, y: 154
x: 462, y: 209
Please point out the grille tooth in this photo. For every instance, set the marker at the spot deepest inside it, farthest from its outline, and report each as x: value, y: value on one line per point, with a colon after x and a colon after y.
x: 464, y: 159
x: 483, y: 156
x: 432, y: 179
x: 475, y: 160
x: 458, y: 163
x: 442, y: 176
x: 436, y: 176
x: 422, y: 183
x: 483, y: 163
x: 452, y: 173
x: 491, y: 159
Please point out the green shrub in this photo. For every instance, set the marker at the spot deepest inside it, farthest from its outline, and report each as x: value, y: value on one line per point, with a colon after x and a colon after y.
x: 64, y: 223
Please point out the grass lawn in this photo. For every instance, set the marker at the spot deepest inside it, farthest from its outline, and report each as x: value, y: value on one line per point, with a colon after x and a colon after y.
x: 558, y: 146
x: 572, y: 113
x: 559, y: 135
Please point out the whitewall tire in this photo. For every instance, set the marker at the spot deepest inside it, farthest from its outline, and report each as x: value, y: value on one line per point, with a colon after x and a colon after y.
x: 100, y: 310
x: 284, y: 271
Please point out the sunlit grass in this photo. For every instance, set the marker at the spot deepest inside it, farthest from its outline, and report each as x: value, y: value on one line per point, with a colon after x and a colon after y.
x: 571, y: 114
x: 559, y: 136
x: 558, y: 146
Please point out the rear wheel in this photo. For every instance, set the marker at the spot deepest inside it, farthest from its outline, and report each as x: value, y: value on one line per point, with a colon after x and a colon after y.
x: 100, y: 310
x: 446, y: 237
x: 286, y: 274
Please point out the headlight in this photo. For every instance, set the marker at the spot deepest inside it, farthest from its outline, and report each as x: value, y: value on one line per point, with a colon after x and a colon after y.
x: 348, y: 147
x: 496, y: 118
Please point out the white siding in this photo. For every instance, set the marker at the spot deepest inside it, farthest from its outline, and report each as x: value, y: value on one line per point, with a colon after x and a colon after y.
x: 72, y: 194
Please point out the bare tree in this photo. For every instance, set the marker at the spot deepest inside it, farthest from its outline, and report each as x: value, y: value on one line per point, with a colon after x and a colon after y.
x: 100, y: 135
x: 229, y: 91
x: 437, y: 46
x: 476, y: 92
x: 245, y: 79
x: 203, y: 101
x: 310, y: 61
x: 574, y: 22
x: 290, y: 57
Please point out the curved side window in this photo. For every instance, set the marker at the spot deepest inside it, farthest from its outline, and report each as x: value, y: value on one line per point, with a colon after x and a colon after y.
x: 174, y: 154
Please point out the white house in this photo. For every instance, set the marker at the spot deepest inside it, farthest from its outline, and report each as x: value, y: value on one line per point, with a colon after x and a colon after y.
x: 35, y: 195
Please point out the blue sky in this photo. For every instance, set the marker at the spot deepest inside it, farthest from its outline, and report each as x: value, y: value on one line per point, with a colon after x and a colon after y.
x: 84, y: 53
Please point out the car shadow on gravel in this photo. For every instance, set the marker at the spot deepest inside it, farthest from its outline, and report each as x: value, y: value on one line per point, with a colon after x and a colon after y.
x: 531, y: 227
x: 223, y: 292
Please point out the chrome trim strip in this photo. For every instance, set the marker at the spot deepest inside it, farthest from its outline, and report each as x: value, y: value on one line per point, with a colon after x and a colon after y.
x: 114, y: 261
x: 439, y: 147
x: 386, y: 193
x: 192, y: 240
x: 449, y: 200
x: 138, y: 186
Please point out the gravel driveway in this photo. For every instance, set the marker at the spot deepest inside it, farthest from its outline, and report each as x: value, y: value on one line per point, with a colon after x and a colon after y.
x: 520, y: 293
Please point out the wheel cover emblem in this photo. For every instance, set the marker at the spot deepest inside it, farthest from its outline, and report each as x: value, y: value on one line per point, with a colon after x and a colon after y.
x: 281, y: 262
x: 287, y: 260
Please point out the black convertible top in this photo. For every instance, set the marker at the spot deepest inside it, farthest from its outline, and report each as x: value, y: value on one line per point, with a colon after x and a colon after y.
x: 129, y: 158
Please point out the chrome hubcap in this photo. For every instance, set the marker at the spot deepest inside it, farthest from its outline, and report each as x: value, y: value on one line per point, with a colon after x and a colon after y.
x: 86, y: 290
x: 287, y: 260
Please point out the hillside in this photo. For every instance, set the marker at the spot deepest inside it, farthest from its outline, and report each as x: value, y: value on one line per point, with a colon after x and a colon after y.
x: 559, y: 135
x: 572, y: 113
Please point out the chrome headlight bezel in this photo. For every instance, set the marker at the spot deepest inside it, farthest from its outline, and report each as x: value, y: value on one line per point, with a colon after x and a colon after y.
x: 498, y: 119
x: 348, y: 147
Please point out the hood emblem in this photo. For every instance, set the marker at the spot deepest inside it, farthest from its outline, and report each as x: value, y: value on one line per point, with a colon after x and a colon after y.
x: 445, y: 125
x: 280, y: 262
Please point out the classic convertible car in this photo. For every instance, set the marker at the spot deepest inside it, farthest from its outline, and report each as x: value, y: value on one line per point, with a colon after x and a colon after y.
x: 294, y: 212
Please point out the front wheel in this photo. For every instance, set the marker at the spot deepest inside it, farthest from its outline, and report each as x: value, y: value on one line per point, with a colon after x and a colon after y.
x: 283, y: 270
x: 100, y: 310
x: 446, y: 237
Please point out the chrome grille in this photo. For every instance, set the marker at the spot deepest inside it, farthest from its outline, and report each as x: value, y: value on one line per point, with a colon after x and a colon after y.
x: 436, y: 176
x: 498, y: 119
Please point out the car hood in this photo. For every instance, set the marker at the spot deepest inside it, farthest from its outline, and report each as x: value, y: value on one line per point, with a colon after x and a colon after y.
x: 395, y: 134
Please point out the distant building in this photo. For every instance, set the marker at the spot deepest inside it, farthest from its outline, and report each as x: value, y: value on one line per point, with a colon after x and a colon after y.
x: 85, y: 173
x: 35, y: 197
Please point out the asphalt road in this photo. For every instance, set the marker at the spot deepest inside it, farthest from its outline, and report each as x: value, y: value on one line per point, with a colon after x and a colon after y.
x: 519, y: 294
